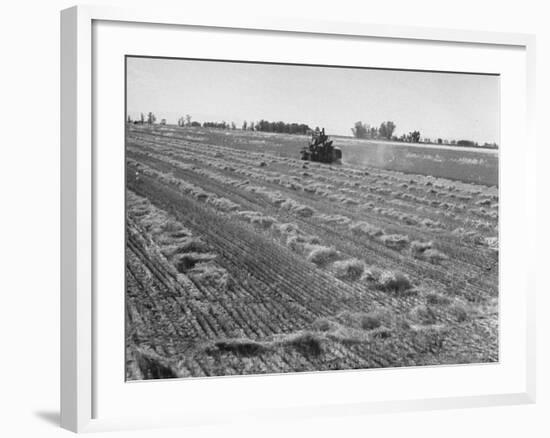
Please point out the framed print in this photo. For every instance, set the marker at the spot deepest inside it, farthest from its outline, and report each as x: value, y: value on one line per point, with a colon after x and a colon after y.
x: 260, y: 208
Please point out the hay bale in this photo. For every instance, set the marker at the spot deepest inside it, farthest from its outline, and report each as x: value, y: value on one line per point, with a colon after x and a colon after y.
x: 365, y: 229
x: 394, y: 281
x: 418, y: 247
x: 263, y: 221
x: 304, y: 211
x: 323, y: 325
x: 395, y: 241
x: 372, y: 273
x: 322, y: 255
x: 224, y: 204
x: 350, y: 270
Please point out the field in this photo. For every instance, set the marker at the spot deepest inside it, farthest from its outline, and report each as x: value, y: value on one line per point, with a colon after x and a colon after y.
x: 242, y: 259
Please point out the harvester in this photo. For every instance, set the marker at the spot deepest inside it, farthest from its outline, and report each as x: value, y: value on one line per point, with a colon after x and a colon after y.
x: 320, y: 149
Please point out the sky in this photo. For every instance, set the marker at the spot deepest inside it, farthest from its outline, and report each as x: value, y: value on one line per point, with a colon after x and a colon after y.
x: 439, y: 105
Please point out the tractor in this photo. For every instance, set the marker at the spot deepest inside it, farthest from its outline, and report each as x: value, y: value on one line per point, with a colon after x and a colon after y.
x: 320, y: 149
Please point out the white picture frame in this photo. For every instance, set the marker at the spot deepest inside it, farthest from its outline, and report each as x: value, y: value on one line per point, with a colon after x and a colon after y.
x: 79, y: 217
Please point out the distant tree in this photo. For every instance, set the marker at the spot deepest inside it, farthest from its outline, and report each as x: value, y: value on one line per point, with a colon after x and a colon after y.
x: 129, y: 119
x: 386, y: 129
x: 415, y: 136
x: 390, y: 128
x: 469, y: 143
x: 151, y: 118
x: 196, y: 124
x: 252, y: 126
x: 142, y: 118
x: 163, y: 121
x: 282, y: 127
x: 233, y: 126
x: 359, y: 130
x: 244, y: 126
x: 187, y: 120
x: 181, y: 122
x: 439, y: 141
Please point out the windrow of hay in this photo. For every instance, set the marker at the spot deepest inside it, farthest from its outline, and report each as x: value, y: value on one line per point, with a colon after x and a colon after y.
x: 188, y: 254
x: 153, y: 366
x: 372, y: 320
x: 238, y: 346
x: 307, y: 343
x: 323, y: 325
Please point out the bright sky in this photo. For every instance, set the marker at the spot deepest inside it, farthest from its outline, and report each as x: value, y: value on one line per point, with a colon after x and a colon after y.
x: 447, y: 105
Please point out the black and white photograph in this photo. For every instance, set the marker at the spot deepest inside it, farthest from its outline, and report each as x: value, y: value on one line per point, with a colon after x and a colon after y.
x: 285, y: 218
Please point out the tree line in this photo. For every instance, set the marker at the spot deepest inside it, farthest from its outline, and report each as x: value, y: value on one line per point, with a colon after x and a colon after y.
x: 364, y: 130
x: 282, y: 127
x: 383, y: 132
x: 360, y: 130
x: 386, y: 129
x: 262, y: 125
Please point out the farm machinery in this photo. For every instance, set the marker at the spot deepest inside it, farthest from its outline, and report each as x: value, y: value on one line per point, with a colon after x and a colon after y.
x: 320, y: 149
